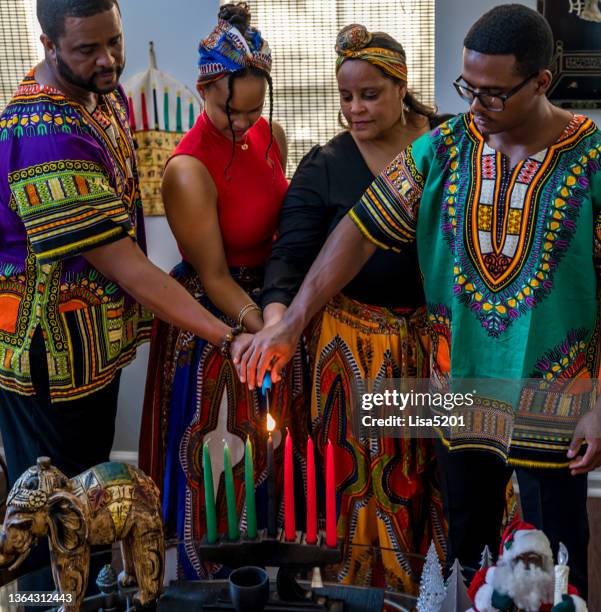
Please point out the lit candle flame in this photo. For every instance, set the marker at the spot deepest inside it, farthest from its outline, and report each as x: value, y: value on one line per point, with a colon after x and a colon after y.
x: 270, y: 423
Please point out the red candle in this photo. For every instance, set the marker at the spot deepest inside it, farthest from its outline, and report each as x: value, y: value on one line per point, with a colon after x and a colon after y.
x: 330, y: 497
x: 289, y: 520
x: 311, y: 492
x: 132, y: 116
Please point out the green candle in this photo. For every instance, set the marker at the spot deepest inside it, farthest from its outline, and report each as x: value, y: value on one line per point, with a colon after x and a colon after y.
x: 166, y: 110
x: 233, y: 532
x: 249, y: 481
x: 178, y: 114
x: 210, y: 514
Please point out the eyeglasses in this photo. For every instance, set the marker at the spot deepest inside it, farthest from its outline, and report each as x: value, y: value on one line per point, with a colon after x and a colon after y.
x: 495, y: 103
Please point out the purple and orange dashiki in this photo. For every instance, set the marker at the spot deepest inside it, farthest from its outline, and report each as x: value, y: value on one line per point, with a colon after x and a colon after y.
x: 68, y: 184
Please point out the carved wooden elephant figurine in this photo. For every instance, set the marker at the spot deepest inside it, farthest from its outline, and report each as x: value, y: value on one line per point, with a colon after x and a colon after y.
x: 107, y: 503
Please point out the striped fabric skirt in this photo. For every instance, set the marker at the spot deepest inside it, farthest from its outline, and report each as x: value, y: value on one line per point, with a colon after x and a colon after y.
x: 388, y: 501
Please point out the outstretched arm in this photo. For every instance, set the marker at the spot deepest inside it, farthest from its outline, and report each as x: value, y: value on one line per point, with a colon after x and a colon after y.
x: 124, y: 263
x: 385, y: 217
x: 343, y: 255
x: 190, y: 198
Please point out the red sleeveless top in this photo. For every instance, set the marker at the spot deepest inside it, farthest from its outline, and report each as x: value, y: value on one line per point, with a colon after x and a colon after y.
x: 250, y: 196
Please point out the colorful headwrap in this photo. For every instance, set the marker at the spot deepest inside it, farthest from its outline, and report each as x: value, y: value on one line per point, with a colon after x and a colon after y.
x: 353, y: 42
x: 226, y: 50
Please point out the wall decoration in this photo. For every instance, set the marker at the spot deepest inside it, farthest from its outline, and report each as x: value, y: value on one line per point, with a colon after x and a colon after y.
x: 576, y: 65
x: 161, y: 110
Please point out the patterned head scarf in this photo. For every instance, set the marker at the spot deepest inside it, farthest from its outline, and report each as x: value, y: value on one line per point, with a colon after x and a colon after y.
x: 355, y: 42
x: 226, y: 49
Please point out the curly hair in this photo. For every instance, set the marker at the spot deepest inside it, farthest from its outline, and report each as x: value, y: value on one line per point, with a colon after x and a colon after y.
x: 513, y: 29
x: 236, y: 14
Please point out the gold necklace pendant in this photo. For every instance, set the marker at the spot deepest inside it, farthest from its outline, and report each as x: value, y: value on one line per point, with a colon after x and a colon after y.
x: 244, y: 146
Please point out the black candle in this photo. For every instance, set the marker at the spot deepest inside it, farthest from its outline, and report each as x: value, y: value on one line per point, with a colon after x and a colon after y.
x: 271, y: 500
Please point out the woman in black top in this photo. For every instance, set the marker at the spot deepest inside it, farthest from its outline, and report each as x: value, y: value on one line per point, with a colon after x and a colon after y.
x: 386, y: 494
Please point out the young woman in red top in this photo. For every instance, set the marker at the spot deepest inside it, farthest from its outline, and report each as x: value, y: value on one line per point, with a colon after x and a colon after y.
x: 223, y: 189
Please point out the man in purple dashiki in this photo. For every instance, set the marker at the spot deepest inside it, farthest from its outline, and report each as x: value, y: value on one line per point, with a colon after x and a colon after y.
x: 75, y: 284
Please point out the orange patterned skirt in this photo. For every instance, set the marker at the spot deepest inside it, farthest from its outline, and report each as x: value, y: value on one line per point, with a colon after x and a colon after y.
x: 389, y: 504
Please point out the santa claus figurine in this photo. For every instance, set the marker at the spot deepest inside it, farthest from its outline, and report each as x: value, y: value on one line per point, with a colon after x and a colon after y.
x: 523, y: 577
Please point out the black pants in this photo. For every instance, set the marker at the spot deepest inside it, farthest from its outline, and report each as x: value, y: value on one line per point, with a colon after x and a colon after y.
x: 75, y: 435
x: 474, y: 485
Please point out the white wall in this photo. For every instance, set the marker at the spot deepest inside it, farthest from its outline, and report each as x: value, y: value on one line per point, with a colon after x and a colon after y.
x: 176, y: 34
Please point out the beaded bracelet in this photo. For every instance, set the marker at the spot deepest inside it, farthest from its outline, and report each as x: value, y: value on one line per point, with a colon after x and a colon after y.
x: 226, y: 343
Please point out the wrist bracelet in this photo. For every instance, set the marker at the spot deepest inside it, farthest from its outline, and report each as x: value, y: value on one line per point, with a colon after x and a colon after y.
x: 245, y: 310
x: 226, y: 343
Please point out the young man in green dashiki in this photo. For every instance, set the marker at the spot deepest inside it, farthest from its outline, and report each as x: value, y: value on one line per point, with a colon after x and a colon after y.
x: 504, y: 204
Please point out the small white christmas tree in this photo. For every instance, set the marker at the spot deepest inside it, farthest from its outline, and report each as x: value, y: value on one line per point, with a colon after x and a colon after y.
x: 486, y: 560
x: 457, y: 599
x: 432, y: 590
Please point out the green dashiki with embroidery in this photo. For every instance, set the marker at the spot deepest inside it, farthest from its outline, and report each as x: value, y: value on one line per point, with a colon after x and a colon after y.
x: 68, y: 183
x: 510, y: 258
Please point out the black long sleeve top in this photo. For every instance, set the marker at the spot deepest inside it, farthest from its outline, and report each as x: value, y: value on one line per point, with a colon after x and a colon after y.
x: 329, y: 180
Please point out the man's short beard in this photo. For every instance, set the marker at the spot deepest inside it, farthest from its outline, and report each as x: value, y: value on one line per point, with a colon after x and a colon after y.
x: 87, y: 85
